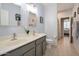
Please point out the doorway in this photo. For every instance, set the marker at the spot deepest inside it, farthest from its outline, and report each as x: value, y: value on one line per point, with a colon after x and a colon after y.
x: 66, y: 28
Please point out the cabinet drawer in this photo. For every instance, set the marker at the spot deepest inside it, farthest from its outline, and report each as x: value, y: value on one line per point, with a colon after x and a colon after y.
x: 20, y: 51
x: 44, y: 47
x: 30, y: 53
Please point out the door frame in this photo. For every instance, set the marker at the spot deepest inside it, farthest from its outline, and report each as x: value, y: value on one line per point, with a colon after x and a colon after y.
x: 62, y: 26
x: 71, y: 37
x: 70, y: 31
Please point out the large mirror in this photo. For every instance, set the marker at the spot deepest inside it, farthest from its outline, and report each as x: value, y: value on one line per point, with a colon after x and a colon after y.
x: 32, y: 20
x: 9, y: 14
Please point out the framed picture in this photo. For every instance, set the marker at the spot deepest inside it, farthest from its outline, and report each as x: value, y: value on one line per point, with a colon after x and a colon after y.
x: 74, y: 14
x: 78, y: 10
x: 41, y: 19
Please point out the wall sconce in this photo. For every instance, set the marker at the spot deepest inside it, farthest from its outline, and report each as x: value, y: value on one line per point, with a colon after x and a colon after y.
x: 18, y: 19
x: 41, y: 19
x: 74, y: 14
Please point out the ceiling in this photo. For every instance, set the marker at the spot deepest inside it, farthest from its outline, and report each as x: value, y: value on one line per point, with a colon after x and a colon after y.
x: 64, y: 6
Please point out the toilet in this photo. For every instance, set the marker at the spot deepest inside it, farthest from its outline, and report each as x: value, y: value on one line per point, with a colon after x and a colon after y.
x: 52, y: 41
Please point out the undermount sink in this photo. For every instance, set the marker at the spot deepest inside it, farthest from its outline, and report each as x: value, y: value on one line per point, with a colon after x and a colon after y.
x: 11, y: 42
x: 18, y: 41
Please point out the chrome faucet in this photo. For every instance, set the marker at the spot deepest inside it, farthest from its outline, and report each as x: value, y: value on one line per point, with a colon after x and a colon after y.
x: 14, y: 36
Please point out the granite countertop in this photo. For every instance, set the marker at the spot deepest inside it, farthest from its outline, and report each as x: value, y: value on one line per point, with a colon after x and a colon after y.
x: 6, y: 44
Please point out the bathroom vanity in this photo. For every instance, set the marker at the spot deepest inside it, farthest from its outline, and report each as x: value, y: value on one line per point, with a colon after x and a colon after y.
x: 30, y: 45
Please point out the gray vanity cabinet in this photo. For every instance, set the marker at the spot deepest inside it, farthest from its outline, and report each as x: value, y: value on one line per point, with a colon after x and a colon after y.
x: 44, y: 46
x: 39, y: 50
x: 40, y: 46
x: 21, y: 50
x: 35, y: 48
x: 30, y: 52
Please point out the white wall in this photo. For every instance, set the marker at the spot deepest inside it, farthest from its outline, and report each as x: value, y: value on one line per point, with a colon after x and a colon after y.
x: 40, y: 26
x: 8, y: 30
x: 51, y: 20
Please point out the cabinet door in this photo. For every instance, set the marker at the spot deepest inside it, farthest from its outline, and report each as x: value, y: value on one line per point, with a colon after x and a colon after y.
x: 30, y: 53
x: 44, y: 46
x: 39, y: 50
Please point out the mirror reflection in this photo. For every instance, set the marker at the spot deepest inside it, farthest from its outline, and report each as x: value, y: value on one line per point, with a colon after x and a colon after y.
x: 9, y: 14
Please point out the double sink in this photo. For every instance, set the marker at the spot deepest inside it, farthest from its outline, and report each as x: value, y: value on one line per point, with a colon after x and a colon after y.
x: 8, y: 44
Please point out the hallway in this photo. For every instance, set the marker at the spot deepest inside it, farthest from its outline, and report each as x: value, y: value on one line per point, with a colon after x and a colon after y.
x: 63, y: 48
